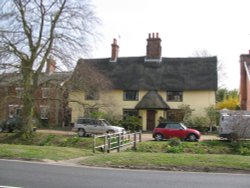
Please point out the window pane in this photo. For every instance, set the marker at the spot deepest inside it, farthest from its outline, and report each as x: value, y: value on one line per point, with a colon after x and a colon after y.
x: 44, y: 112
x: 130, y: 112
x: 130, y: 95
x: 19, y: 92
x: 175, y: 96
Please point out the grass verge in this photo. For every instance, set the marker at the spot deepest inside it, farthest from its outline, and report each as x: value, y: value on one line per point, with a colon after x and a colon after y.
x: 172, y: 161
x: 206, y: 156
x: 41, y: 152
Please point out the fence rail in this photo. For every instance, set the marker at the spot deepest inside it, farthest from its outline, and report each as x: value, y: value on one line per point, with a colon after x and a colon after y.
x: 116, y: 141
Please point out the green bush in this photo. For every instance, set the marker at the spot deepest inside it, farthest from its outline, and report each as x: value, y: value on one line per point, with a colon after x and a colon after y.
x: 175, y: 149
x: 174, y: 141
x: 241, y: 147
x: 47, y: 141
x: 198, y: 122
x: 131, y: 123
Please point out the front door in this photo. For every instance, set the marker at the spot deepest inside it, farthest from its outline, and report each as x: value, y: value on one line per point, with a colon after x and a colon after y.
x: 150, y: 120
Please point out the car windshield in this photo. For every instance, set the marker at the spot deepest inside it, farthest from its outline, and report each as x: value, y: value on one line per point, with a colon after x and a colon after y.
x: 184, y: 126
x: 106, y: 123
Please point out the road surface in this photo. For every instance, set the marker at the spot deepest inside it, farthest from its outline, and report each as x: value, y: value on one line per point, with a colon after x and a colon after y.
x: 41, y: 175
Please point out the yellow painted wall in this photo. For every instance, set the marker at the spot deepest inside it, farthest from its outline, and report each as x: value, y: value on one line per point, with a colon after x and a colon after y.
x: 198, y: 100
x: 112, y: 103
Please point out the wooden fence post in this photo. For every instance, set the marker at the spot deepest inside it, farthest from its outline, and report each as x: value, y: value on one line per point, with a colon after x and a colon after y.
x: 105, y: 144
x: 140, y: 136
x: 94, y: 144
x: 109, y: 145
x: 134, y: 141
x: 118, y: 142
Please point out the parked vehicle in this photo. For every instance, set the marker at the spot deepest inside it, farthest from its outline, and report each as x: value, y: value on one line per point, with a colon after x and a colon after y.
x: 234, y: 124
x: 166, y: 130
x: 11, y: 124
x: 87, y: 126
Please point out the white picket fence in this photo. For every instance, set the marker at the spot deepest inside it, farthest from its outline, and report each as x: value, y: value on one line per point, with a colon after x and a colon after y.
x: 116, y: 141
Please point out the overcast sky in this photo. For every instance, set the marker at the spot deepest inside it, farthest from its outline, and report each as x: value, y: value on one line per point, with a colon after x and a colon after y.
x: 221, y: 27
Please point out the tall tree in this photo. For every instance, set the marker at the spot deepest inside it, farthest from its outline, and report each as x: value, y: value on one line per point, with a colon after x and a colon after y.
x: 32, y: 30
x: 220, y: 68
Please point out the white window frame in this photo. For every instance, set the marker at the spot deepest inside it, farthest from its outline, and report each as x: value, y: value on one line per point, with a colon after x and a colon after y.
x: 44, y: 112
x: 13, y: 108
x: 19, y: 92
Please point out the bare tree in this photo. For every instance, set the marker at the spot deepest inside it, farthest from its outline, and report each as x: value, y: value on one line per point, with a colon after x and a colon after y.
x: 32, y: 30
x: 220, y: 68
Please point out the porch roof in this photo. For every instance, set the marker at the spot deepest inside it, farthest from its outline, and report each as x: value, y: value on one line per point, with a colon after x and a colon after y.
x: 152, y: 100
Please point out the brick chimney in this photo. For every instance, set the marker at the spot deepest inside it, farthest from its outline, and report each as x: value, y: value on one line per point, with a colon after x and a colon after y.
x: 153, y: 47
x: 114, y: 50
x: 243, y: 96
x: 51, y: 65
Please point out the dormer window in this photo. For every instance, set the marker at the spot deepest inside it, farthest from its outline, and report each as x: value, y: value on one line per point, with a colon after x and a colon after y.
x: 175, y: 96
x: 130, y: 95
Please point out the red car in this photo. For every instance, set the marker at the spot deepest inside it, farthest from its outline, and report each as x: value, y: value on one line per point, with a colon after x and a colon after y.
x: 166, y: 130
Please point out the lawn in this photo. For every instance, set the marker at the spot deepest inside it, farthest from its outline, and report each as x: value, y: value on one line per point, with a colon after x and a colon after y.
x: 41, y: 152
x: 168, y: 155
x: 173, y: 161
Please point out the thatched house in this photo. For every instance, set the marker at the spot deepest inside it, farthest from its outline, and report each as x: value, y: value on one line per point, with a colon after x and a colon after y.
x: 149, y: 87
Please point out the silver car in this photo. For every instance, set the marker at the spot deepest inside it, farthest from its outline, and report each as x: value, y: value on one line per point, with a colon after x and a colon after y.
x: 87, y: 126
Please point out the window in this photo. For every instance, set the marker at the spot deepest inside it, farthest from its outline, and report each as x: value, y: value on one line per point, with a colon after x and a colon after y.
x: 14, y: 110
x: 91, y: 95
x: 175, y: 126
x: 44, y: 112
x: 130, y: 112
x: 45, y: 93
x: 175, y: 96
x: 130, y: 95
x: 19, y: 92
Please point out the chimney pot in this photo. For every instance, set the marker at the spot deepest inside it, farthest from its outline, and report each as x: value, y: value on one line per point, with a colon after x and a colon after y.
x: 51, y: 65
x: 153, y: 47
x: 114, y: 50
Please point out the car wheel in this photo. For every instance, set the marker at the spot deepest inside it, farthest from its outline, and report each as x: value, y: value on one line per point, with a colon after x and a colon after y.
x: 110, y: 132
x: 192, y: 137
x: 158, y: 137
x: 81, y: 132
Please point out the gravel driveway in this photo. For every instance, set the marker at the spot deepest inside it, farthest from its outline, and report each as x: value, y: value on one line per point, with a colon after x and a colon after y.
x: 145, y: 136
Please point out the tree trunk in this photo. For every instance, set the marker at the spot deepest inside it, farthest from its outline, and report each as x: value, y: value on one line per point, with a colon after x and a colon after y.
x: 28, y: 102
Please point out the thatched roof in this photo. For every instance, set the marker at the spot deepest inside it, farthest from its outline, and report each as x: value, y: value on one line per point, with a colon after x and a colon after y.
x: 56, y: 78
x: 152, y: 100
x: 175, y: 74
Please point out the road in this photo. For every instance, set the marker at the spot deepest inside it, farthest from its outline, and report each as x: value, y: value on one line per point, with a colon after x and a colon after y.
x: 41, y: 175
